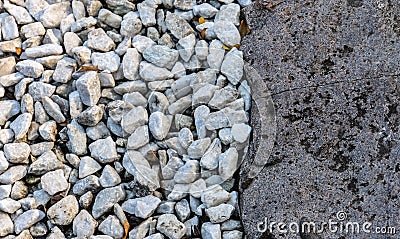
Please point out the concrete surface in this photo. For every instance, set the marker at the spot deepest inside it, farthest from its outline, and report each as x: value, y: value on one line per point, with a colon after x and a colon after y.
x: 330, y: 69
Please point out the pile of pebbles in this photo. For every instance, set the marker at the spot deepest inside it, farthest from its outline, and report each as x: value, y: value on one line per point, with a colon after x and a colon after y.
x: 121, y: 119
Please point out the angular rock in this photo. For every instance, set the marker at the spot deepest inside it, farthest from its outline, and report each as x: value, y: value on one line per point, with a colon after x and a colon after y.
x: 159, y: 125
x: 9, y: 28
x: 112, y: 227
x: 109, y: 177
x: 88, y: 86
x: 99, y: 40
x: 44, y: 50
x: 161, y: 56
x: 211, y: 231
x: 232, y: 66
x: 84, y: 225
x: 27, y: 219
x: 53, y: 109
x: 17, y: 152
x: 64, y: 70
x: 130, y: 63
x: 142, y: 207
x: 8, y: 108
x: 104, y: 150
x: 188, y: 173
x: 7, y: 65
x: 77, y: 138
x: 53, y: 14
x: 106, y: 199
x: 138, y: 138
x: 170, y: 226
x: 150, y: 72
x: 197, y: 149
x: 54, y: 182
x: 178, y: 26
x: 220, y: 213
x: 88, y: 166
x: 214, y: 196
x: 64, y: 211
x: 45, y: 163
x: 91, y: 116
x: 13, y: 174
x: 108, y: 61
x: 228, y: 163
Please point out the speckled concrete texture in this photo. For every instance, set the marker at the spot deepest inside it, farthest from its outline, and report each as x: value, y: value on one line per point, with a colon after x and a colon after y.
x: 331, y: 68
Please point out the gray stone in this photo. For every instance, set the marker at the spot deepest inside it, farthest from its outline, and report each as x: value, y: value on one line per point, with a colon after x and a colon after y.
x: 88, y: 166
x: 17, y: 152
x: 88, y: 86
x: 142, y: 207
x: 21, y: 125
x: 150, y: 72
x: 159, y: 125
x: 86, y: 200
x: 77, y: 138
x: 53, y: 14
x: 232, y: 66
x: 201, y: 113
x: 138, y: 138
x: 48, y: 130
x: 229, y: 12
x: 155, y: 236
x: 45, y: 163
x: 8, y: 108
x: 178, y: 26
x: 214, y: 196
x: 109, y: 177
x: 166, y: 207
x: 136, y: 165
x: 53, y: 109
x: 136, y: 117
x: 147, y: 13
x: 99, y: 40
x: 216, y: 54
x: 33, y: 30
x: 205, y: 10
x: 220, y: 213
x: 9, y: 28
x: 10, y: 80
x: 7, y: 225
x: 88, y: 184
x: 204, y: 94
x: 130, y: 63
x: 197, y: 149
x: 109, y: 18
x: 30, y: 68
x: 135, y: 98
x: 185, y: 137
x: 180, y: 105
x: 141, y: 43
x: 170, y: 226
x: 13, y: 174
x: 161, y: 56
x: 84, y: 225
x: 27, y: 219
x: 100, y: 131
x: 241, y: 132
x: 64, y: 211
x: 44, y: 50
x: 188, y: 173
x: 211, y: 231
x: 186, y: 47
x: 54, y: 182
x: 39, y: 90
x: 108, y: 61
x: 104, y: 150
x: 5, y: 191
x: 64, y: 69
x: 228, y: 163
x: 184, y: 4
x: 222, y: 97
x: 210, y: 158
x: 112, y: 227
x: 131, y: 27
x: 182, y: 210
x: 9, y: 205
x: 106, y: 199
x: 232, y: 234
x: 225, y: 118
x: 3, y: 163
x: 169, y: 170
x: 91, y: 116
x: 7, y: 65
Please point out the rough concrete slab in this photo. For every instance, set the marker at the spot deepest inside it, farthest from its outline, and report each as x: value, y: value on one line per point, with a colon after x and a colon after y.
x: 332, y: 72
